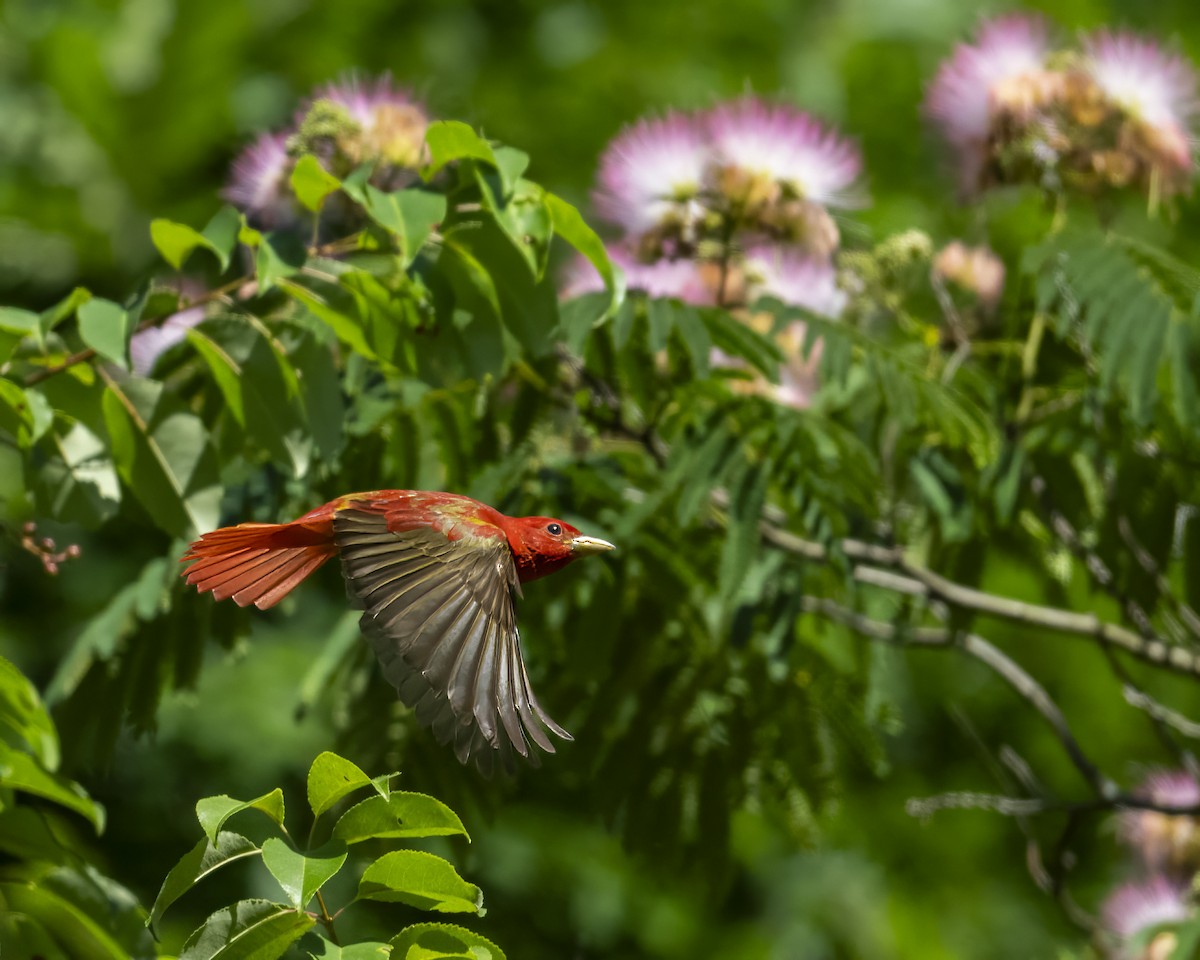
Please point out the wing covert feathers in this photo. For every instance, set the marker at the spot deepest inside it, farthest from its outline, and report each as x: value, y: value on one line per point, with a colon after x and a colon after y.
x: 440, y: 617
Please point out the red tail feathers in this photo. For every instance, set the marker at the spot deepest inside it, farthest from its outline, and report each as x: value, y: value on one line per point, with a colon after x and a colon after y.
x: 258, y: 563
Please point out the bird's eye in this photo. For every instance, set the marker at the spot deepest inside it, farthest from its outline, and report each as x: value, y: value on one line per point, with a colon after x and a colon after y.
x: 554, y: 529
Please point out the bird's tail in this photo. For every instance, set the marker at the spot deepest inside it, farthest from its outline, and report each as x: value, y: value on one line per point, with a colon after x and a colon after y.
x: 258, y: 563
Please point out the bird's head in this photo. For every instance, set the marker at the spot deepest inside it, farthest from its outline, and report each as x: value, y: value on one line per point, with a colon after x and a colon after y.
x: 542, y: 545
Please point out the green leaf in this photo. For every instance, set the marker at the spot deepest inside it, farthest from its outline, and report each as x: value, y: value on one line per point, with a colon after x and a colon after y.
x: 20, y: 771
x: 212, y: 812
x: 162, y: 452
x: 312, y: 183
x: 78, y: 482
x: 29, y: 833
x: 367, y: 950
x: 511, y: 163
x: 694, y: 334
x: 450, y: 140
x: 409, y: 215
x: 333, y: 305
x: 65, y: 923
x: 104, y: 634
x: 176, y: 241
x: 23, y: 716
x: 472, y: 283
x: 302, y: 875
x: 248, y: 930
x: 443, y: 941
x: 354, y: 186
x: 195, y: 865
x: 570, y: 225
x: 320, y: 392
x: 330, y: 778
x: 254, y: 381
x: 733, y: 337
x: 523, y: 216
x: 421, y: 880
x: 25, y: 414
x: 106, y: 328
x: 66, y: 307
x: 401, y: 814
x: 280, y: 255
x: 223, y: 232
x: 15, y: 326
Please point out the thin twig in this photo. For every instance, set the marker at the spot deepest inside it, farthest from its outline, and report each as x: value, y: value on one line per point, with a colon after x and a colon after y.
x: 86, y: 356
x: 1182, y: 609
x: 1177, y: 721
x: 922, y: 581
x: 992, y: 657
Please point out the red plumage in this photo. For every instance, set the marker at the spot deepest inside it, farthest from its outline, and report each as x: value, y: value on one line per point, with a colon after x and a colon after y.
x: 436, y: 573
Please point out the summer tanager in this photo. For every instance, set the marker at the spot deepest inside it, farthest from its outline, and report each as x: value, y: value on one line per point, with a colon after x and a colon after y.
x: 436, y: 573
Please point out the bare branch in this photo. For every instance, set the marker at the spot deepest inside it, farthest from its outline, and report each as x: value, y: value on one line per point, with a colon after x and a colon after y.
x: 923, y: 808
x: 992, y: 657
x: 1175, y: 720
x: 1182, y: 609
x: 925, y: 582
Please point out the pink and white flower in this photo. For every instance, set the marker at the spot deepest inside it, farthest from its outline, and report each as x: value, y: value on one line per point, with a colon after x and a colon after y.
x: 795, y: 279
x: 1166, y: 843
x: 963, y: 95
x: 974, y: 269
x: 1154, y: 87
x: 363, y: 98
x: 392, y: 121
x: 259, y: 185
x: 681, y: 279
x: 781, y: 145
x: 146, y: 346
x: 800, y: 281
x: 1133, y: 907
x: 652, y: 174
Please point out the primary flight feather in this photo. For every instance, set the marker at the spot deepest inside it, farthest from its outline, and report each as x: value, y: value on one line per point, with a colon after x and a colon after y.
x: 436, y: 574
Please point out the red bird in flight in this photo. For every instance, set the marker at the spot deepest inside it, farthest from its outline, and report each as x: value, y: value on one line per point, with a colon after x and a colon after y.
x: 436, y: 573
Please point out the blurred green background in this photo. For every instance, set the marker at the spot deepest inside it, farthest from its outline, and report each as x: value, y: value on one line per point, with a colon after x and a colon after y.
x: 114, y: 113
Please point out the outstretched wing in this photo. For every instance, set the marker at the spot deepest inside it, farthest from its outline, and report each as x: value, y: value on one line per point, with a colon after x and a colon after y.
x: 439, y: 614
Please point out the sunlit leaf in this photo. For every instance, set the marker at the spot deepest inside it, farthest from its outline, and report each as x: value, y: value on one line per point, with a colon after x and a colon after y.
x: 312, y: 183
x: 204, y: 858
x: 106, y: 328
x: 15, y: 326
x: 570, y: 225
x: 443, y: 941
x: 62, y: 922
x: 20, y: 771
x: 280, y: 255
x: 25, y: 415
x: 302, y: 874
x: 330, y: 778
x: 162, y: 453
x: 176, y: 241
x: 22, y: 716
x: 451, y: 140
x: 255, y: 384
x: 367, y: 950
x: 400, y: 814
x: 421, y: 880
x: 212, y: 812
x: 247, y: 930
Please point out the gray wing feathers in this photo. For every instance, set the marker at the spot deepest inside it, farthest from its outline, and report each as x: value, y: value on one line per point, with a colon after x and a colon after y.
x: 440, y: 618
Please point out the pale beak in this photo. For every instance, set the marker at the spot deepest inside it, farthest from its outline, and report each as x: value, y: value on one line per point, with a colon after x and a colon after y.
x: 582, y: 546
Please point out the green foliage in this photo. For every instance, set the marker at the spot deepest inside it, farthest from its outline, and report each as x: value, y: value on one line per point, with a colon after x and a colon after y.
x: 721, y: 727
x: 53, y: 903
x: 266, y: 929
